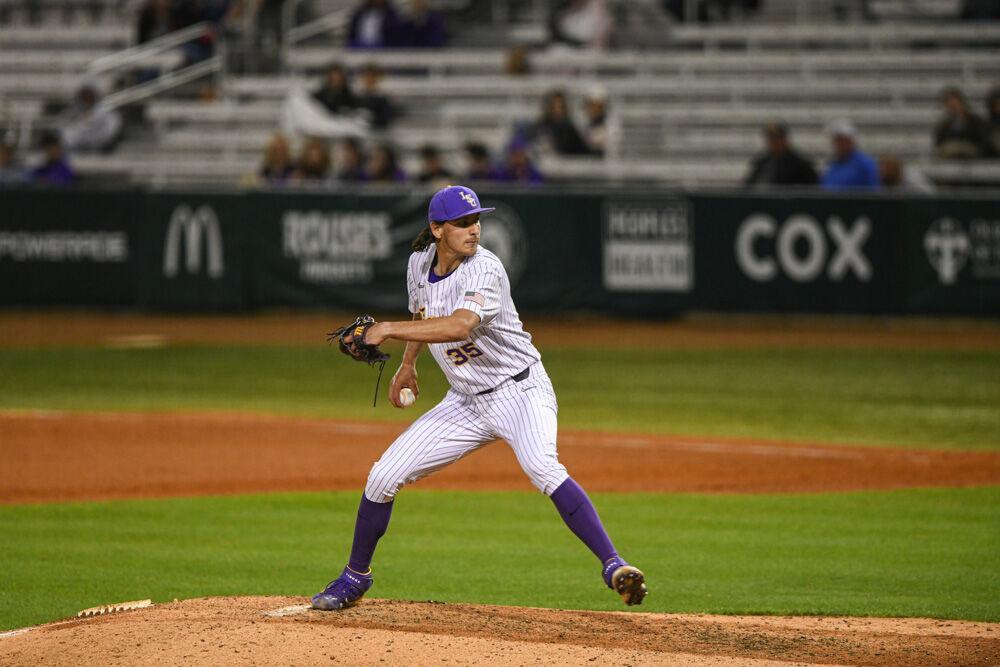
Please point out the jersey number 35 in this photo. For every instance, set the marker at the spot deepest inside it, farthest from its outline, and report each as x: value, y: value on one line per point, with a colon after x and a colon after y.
x: 459, y: 355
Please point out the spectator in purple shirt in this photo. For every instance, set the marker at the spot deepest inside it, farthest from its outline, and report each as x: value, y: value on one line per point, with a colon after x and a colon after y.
x: 518, y: 166
x: 351, y: 161
x: 382, y: 166
x: 374, y: 25
x: 55, y: 170
x: 423, y: 28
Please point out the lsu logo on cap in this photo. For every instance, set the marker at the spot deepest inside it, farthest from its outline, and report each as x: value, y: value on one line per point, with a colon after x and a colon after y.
x: 469, y: 199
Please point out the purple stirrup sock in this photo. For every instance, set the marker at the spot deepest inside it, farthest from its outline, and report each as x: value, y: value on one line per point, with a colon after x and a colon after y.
x: 579, y: 514
x: 373, y: 520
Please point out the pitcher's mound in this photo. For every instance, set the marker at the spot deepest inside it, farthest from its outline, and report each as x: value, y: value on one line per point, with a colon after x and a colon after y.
x: 278, y: 630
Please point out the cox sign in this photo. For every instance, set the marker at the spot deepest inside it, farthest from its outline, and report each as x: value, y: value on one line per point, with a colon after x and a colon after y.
x: 803, y: 248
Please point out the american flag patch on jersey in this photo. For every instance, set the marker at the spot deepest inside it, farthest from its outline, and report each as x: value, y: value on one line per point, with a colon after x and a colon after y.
x: 475, y: 297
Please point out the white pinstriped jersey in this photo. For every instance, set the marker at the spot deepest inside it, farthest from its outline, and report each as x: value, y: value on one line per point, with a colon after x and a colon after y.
x: 499, y: 347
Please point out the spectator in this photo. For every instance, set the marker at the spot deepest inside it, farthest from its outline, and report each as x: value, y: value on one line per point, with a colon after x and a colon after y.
x: 518, y: 166
x: 383, y: 167
x: 335, y: 94
x: 849, y: 169
x: 478, y: 158
x: 902, y: 179
x: 555, y: 128
x: 371, y: 98
x: 780, y: 164
x: 314, y: 162
x: 55, y: 170
x: 351, y: 161
x: 595, y: 106
x: 89, y: 126
x: 215, y: 12
x: 423, y: 28
x: 517, y: 61
x: 580, y: 23
x: 278, y: 167
x: 993, y: 111
x: 11, y: 168
x: 374, y: 25
x: 432, y: 169
x: 960, y: 134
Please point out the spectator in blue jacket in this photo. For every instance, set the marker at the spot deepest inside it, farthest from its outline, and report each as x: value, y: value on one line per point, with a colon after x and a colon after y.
x: 850, y: 168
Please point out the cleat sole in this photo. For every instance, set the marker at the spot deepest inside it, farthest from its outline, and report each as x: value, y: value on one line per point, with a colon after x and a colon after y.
x: 630, y: 583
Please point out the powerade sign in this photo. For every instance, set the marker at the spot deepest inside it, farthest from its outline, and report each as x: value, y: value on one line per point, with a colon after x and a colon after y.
x: 63, y: 247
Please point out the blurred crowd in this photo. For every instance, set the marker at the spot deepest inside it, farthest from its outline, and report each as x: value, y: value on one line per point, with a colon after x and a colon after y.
x: 342, y: 130
x: 349, y: 142
x: 960, y: 134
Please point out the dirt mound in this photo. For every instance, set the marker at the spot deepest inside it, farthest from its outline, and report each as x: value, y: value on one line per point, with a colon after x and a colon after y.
x: 52, y: 456
x: 277, y: 630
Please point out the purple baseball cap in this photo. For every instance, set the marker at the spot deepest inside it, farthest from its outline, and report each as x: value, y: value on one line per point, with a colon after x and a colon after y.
x: 452, y: 202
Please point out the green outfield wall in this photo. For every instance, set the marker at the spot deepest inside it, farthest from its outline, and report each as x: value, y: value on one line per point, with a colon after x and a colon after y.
x: 620, y: 251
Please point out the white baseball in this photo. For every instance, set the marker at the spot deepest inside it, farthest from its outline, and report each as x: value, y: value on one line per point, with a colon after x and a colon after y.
x: 406, y: 397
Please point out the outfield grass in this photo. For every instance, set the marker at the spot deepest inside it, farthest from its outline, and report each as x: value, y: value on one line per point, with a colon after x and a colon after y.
x: 929, y: 553
x: 906, y: 397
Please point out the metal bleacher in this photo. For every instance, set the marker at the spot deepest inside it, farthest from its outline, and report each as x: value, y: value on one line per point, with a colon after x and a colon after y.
x: 688, y: 112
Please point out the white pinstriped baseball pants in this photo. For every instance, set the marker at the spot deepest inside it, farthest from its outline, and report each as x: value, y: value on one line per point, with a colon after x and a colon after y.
x: 522, y: 413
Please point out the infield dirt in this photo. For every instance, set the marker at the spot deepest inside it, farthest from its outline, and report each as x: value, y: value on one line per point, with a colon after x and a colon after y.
x: 54, y: 456
x: 215, y: 631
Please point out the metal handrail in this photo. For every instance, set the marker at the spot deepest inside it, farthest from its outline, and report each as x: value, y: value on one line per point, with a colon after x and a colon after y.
x: 163, y: 83
x: 127, y: 58
x: 134, y: 54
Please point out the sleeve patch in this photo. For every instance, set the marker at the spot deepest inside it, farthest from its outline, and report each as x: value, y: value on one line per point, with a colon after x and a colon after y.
x: 475, y: 297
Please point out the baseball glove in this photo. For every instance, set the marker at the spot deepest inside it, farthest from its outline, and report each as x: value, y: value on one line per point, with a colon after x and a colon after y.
x: 352, y: 341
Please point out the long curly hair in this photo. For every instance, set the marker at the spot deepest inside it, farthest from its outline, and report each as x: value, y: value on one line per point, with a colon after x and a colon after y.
x: 423, y: 240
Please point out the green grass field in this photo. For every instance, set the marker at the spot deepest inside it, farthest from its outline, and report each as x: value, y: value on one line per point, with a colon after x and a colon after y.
x: 902, y: 553
x: 914, y: 398
x: 908, y: 553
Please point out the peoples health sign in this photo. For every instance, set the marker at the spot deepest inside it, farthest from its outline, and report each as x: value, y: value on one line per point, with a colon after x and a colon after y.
x: 647, y: 247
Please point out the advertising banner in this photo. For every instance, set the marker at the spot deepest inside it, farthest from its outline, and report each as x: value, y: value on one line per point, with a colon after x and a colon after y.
x: 953, y: 256
x: 192, y: 252
x: 67, y: 248
x: 635, y: 253
x: 352, y: 251
x: 827, y: 254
